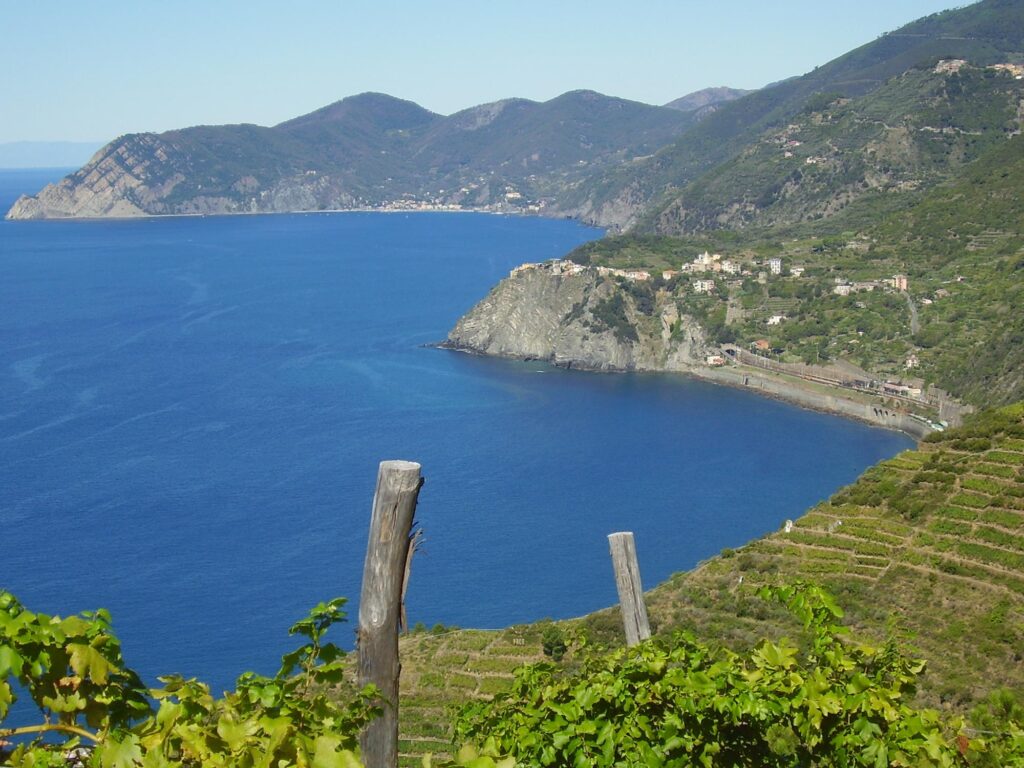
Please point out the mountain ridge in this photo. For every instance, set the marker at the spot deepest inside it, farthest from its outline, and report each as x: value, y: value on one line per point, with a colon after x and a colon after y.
x: 362, y: 151
x: 707, y: 100
x: 985, y: 33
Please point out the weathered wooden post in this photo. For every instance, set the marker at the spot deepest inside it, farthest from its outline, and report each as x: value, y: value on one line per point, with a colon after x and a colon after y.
x: 631, y: 593
x: 394, y: 504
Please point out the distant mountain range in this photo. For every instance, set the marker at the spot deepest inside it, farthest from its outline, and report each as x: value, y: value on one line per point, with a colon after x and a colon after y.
x: 706, y: 101
x: 654, y: 194
x: 370, y: 150
x: 885, y: 121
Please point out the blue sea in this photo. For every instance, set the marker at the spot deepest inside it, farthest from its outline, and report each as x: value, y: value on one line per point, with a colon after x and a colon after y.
x: 192, y: 411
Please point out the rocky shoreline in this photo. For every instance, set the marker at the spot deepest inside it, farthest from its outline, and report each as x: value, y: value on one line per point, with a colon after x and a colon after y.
x: 878, y: 415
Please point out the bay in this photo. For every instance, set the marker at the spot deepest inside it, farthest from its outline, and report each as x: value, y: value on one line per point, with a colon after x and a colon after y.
x: 192, y: 411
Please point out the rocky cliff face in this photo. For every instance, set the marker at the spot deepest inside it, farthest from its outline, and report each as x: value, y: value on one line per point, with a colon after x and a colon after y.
x: 117, y: 181
x: 581, y: 320
x: 146, y: 175
x: 618, y: 213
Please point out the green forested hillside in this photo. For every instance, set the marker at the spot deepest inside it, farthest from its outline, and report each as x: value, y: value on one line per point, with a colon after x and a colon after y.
x: 969, y: 235
x: 960, y: 244
x: 859, y: 156
x: 707, y: 99
x: 983, y: 33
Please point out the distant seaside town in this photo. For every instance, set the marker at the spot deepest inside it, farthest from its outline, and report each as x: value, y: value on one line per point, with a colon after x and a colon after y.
x: 508, y: 200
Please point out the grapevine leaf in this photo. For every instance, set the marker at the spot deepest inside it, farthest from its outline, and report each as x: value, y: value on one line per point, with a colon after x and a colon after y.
x: 6, y: 698
x: 11, y: 661
x: 120, y: 754
x: 65, y: 703
x: 86, y: 661
x: 325, y: 754
x: 234, y: 733
x: 466, y: 753
x: 155, y: 759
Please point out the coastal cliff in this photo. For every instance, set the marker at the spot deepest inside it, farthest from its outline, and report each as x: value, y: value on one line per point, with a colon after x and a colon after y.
x: 148, y: 175
x: 117, y: 181
x: 579, y: 318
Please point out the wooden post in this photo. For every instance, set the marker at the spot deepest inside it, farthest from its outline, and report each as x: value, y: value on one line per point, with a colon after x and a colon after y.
x: 631, y: 593
x: 394, y: 504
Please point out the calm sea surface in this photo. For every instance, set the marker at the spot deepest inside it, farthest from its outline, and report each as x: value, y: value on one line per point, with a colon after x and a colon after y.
x: 192, y: 411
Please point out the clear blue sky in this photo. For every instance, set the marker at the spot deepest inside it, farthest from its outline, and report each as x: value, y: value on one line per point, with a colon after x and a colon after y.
x: 93, y: 70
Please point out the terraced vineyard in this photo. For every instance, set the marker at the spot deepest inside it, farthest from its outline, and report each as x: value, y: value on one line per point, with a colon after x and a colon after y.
x: 928, y: 545
x: 930, y: 542
x: 442, y: 671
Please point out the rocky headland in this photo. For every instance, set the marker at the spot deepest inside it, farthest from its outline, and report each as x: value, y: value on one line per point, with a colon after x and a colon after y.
x: 602, y: 319
x: 576, y: 317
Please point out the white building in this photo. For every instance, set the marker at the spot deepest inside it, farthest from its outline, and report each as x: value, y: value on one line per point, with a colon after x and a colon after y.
x: 902, y: 390
x: 702, y: 262
x: 704, y: 286
x: 775, y: 266
x: 629, y: 274
x: 636, y: 274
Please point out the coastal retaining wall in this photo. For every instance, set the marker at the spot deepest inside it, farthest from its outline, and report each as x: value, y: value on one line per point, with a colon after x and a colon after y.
x: 872, y: 413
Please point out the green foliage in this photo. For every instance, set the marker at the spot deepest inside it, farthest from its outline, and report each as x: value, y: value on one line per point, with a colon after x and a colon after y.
x: 681, y: 703
x: 73, y: 671
x: 553, y: 642
x: 71, y: 668
x: 610, y: 314
x: 819, y: 102
x: 642, y: 294
x: 998, y: 724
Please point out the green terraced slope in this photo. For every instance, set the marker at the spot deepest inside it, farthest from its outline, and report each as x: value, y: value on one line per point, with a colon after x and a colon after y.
x: 928, y: 545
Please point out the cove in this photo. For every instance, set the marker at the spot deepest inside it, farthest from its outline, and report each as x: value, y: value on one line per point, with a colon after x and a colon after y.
x: 192, y: 411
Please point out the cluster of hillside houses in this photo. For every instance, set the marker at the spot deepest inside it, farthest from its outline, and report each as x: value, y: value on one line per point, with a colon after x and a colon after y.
x: 571, y: 268
x: 844, y: 287
x: 707, y: 262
